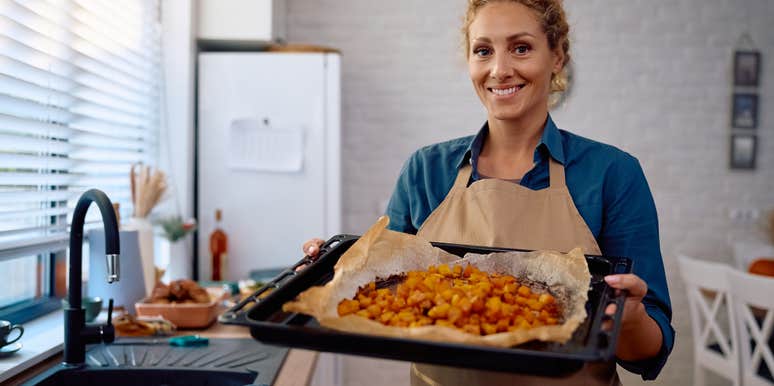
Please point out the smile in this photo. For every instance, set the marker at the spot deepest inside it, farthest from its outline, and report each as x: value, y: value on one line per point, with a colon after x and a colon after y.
x: 506, y: 91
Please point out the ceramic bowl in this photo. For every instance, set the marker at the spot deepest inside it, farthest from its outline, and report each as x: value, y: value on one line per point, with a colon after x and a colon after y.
x: 91, y: 304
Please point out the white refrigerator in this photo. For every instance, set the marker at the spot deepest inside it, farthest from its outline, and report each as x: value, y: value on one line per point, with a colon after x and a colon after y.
x: 268, y: 152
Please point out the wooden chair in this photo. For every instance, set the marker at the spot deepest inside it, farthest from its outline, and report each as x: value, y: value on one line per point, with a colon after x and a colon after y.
x: 715, y: 346
x: 753, y: 299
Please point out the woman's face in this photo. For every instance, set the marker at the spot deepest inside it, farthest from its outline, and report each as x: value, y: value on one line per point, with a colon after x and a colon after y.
x: 510, y: 62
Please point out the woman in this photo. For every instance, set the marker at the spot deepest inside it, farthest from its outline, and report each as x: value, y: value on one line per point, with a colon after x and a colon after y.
x: 523, y: 183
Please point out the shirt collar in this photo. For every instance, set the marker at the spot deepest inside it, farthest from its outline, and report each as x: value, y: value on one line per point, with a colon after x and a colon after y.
x: 551, y: 140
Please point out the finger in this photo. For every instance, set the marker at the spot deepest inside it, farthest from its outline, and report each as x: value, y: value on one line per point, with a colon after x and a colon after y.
x: 312, y: 247
x: 607, y: 323
x: 629, y: 282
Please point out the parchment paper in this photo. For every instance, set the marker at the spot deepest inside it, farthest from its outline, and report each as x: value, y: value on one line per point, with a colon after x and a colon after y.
x: 380, y: 253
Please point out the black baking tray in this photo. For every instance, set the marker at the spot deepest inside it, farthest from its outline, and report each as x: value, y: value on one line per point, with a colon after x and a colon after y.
x: 594, y: 340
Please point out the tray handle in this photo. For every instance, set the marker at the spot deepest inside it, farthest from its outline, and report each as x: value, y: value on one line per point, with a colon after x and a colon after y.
x: 607, y: 337
x: 236, y: 314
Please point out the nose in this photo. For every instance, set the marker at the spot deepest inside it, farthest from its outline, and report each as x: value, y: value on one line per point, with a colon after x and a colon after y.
x: 501, y: 68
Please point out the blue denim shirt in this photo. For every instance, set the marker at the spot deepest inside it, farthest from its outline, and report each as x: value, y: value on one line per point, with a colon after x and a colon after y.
x: 607, y: 186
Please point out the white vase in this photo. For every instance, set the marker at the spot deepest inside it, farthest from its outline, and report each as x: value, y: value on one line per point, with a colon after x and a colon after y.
x: 175, y: 259
x: 144, y: 230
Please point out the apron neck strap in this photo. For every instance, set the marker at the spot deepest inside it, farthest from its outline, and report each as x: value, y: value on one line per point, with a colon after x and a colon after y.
x: 556, y: 173
x: 463, y: 176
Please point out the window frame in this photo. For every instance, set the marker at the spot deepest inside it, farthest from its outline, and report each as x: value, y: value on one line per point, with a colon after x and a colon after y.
x: 49, y: 301
x: 96, y: 55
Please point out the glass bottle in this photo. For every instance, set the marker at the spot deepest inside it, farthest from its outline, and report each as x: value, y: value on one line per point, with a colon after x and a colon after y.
x: 218, y: 248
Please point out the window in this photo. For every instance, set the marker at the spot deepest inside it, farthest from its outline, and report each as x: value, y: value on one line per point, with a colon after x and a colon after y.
x: 79, y: 92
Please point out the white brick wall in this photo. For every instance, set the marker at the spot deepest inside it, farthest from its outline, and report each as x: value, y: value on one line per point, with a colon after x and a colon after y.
x: 653, y: 77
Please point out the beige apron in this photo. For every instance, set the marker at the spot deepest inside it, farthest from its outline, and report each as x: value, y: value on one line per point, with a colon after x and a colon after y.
x: 497, y: 213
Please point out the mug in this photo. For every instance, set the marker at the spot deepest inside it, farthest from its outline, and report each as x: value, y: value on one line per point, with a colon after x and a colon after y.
x: 5, y: 330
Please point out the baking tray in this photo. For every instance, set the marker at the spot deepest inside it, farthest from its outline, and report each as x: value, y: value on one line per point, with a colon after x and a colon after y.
x: 262, y: 313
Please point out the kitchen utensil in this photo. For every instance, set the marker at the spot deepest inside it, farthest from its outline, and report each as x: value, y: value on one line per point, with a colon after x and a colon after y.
x: 594, y: 340
x: 177, y: 341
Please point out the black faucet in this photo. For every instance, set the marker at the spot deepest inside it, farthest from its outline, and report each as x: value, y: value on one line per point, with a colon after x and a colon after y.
x: 76, y: 333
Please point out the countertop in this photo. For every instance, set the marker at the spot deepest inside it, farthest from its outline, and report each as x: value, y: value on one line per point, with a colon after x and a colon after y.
x: 296, y: 370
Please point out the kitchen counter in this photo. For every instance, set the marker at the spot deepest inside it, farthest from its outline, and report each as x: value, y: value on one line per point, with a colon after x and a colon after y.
x: 296, y: 370
x: 299, y: 365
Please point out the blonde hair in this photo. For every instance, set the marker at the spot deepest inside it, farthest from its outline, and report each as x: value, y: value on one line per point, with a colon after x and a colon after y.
x: 553, y: 20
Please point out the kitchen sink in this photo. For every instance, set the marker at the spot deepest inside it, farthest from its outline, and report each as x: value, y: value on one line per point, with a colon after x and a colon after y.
x: 148, y: 362
x: 147, y: 377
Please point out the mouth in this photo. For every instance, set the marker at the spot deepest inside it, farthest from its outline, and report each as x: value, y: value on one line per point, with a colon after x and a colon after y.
x: 506, y: 91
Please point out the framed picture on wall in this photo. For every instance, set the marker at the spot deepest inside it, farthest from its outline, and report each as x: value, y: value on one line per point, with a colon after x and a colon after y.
x: 745, y: 111
x: 743, y: 147
x: 747, y: 68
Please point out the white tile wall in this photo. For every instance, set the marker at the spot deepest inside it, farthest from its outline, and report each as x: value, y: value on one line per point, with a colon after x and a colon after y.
x: 653, y: 77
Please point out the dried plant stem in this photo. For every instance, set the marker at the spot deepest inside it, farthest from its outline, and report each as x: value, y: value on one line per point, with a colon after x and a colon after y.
x: 147, y: 189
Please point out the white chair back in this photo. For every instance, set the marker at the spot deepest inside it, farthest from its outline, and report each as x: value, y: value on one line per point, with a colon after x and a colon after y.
x: 753, y: 297
x: 715, y: 346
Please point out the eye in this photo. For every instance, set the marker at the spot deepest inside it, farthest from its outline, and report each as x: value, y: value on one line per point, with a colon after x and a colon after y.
x: 482, y: 51
x: 521, y: 49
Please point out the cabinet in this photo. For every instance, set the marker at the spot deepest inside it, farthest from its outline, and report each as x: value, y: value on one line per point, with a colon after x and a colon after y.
x: 242, y: 20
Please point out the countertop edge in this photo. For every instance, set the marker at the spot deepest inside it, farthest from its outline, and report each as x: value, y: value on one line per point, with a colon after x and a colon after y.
x: 30, y: 363
x: 42, y: 339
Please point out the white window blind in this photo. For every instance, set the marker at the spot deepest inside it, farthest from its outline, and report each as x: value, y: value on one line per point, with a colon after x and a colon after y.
x: 79, y: 92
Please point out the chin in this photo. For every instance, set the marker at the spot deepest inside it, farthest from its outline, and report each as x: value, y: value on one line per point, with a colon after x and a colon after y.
x: 507, y: 115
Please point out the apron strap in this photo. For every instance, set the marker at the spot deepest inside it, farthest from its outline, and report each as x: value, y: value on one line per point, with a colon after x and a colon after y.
x: 556, y: 173
x: 463, y: 176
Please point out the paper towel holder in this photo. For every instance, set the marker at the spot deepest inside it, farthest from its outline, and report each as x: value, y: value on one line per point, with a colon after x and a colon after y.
x: 131, y: 288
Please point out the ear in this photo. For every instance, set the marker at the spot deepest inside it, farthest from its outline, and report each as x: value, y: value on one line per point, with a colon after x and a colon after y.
x: 558, y: 64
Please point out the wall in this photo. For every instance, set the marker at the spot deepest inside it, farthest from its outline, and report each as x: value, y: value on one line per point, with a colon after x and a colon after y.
x: 653, y: 77
x: 178, y: 21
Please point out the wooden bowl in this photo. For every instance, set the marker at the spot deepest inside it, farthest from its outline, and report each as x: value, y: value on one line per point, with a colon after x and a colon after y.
x: 183, y: 315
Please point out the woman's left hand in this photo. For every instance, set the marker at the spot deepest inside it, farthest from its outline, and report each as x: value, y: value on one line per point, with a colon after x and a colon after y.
x: 634, y: 310
x: 641, y: 336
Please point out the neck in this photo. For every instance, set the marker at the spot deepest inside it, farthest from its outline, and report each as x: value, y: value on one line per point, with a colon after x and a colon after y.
x: 514, y: 138
x: 510, y: 147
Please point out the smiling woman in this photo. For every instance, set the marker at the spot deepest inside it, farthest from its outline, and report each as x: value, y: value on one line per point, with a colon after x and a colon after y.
x: 523, y: 183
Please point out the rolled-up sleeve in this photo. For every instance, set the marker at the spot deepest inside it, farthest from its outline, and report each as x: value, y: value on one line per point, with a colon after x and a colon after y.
x: 630, y: 229
x: 399, y: 206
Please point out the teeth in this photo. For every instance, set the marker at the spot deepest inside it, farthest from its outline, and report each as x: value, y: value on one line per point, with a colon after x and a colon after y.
x: 506, y: 91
